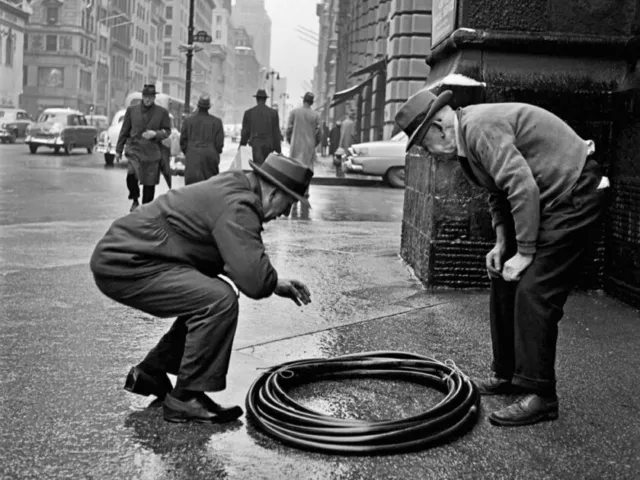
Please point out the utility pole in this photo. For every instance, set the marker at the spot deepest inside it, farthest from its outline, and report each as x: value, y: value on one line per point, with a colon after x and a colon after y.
x: 187, y: 87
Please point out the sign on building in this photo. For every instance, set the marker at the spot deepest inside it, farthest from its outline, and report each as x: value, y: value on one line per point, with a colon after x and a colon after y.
x: 443, y: 20
x: 202, y: 37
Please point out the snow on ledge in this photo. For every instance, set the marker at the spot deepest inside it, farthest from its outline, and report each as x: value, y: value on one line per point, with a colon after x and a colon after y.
x: 458, y: 80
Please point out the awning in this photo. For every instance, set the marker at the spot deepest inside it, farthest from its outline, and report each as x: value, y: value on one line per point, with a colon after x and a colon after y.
x: 344, y: 95
x: 375, y: 67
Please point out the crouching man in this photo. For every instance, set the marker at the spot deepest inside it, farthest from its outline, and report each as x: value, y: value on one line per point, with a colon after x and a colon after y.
x: 545, y: 197
x: 165, y: 259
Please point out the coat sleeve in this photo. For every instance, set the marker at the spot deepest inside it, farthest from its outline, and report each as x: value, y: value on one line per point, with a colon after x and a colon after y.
x: 495, y: 148
x: 165, y: 127
x: 218, y: 139
x: 277, y: 136
x: 238, y: 237
x: 246, y: 129
x: 184, y: 136
x: 125, y: 131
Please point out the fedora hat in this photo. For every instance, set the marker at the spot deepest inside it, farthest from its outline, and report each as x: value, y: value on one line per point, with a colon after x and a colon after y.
x: 204, y: 101
x: 416, y: 114
x: 148, y: 90
x: 262, y: 93
x: 287, y: 174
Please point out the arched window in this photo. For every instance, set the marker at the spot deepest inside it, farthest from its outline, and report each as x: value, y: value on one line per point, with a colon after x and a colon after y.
x: 8, y: 56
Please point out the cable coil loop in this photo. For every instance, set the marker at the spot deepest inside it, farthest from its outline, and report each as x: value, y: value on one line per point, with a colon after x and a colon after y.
x: 277, y: 414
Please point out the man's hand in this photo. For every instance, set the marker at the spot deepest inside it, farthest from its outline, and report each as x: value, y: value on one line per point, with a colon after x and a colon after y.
x: 494, y: 260
x: 514, y: 267
x: 118, y: 157
x: 293, y: 289
x: 149, y: 134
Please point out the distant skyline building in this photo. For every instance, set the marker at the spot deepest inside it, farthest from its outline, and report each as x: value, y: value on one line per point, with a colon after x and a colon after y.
x: 252, y: 15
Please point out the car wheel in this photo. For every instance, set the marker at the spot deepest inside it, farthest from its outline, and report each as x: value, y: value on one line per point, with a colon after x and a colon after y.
x: 68, y: 148
x: 56, y: 150
x: 108, y: 159
x: 395, y: 177
x: 33, y: 148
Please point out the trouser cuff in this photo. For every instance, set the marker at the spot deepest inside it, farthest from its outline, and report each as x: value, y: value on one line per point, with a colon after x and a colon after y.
x: 545, y: 388
x: 209, y: 385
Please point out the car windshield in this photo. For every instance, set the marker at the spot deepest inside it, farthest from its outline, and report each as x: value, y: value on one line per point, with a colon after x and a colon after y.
x: 399, y: 137
x: 7, y: 115
x: 52, y: 118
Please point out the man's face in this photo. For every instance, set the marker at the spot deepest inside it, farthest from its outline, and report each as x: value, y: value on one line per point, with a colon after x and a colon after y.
x: 148, y: 100
x: 278, y: 204
x: 439, y: 140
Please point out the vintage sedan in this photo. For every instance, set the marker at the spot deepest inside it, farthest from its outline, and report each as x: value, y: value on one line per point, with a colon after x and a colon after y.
x: 382, y: 158
x: 13, y: 124
x: 109, y: 138
x: 61, y: 129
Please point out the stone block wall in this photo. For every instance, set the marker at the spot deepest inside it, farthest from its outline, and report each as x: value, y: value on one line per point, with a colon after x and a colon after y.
x: 409, y: 37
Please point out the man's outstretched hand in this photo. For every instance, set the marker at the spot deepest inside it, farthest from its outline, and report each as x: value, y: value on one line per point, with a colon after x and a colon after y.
x: 295, y: 290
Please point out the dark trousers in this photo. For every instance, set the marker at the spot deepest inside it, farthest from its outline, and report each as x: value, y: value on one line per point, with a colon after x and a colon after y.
x: 148, y: 191
x: 260, y: 150
x: 525, y: 314
x: 197, y: 347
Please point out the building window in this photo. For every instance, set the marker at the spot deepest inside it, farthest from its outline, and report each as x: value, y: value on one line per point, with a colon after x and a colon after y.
x: 25, y: 42
x: 169, y: 13
x: 168, y: 30
x: 218, y: 34
x: 25, y: 75
x: 167, y: 69
x: 52, y: 43
x: 85, y: 81
x: 167, y: 48
x: 50, y: 77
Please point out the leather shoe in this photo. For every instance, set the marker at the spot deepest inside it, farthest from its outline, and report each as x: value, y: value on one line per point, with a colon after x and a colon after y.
x: 498, y: 386
x: 140, y: 382
x: 200, y: 409
x: 526, y: 411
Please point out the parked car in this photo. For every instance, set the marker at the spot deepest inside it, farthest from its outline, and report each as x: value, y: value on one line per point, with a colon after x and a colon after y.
x: 13, y: 124
x: 99, y: 121
x: 382, y: 158
x: 61, y: 128
x: 108, y: 139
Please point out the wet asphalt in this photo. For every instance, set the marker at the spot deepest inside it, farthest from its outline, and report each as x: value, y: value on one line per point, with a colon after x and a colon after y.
x: 65, y: 349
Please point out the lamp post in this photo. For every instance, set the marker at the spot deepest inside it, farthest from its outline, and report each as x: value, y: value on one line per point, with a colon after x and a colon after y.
x: 97, y: 53
x: 274, y: 76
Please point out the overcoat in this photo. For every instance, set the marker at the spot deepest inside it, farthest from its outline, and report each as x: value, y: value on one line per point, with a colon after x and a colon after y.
x: 201, y: 140
x: 145, y: 156
x: 347, y: 134
x: 334, y: 139
x: 304, y: 133
x: 261, y: 130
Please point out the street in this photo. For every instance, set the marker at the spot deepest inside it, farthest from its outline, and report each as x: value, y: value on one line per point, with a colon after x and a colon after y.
x: 65, y: 349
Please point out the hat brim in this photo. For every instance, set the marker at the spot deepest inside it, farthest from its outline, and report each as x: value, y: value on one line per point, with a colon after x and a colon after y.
x: 278, y: 184
x: 443, y: 99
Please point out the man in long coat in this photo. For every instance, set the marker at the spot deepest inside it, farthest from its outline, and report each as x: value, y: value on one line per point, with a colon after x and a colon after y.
x: 347, y: 133
x: 144, y: 128
x: 166, y: 259
x: 261, y: 129
x: 201, y: 140
x: 334, y: 138
x: 304, y: 133
x: 545, y: 197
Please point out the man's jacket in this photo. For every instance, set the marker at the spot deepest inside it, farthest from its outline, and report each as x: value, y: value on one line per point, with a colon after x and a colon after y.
x: 201, y: 140
x: 304, y: 134
x: 213, y: 226
x: 525, y: 156
x: 261, y: 124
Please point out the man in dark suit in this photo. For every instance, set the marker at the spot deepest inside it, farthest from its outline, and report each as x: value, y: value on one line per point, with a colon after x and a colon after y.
x: 166, y: 259
x: 144, y: 128
x: 201, y: 140
x: 261, y: 129
x: 545, y: 197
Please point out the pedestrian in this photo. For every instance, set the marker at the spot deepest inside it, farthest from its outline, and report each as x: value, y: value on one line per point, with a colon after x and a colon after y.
x: 261, y: 129
x: 325, y: 140
x: 166, y: 259
x: 144, y: 128
x: 201, y: 141
x: 545, y: 198
x: 334, y: 138
x: 304, y: 132
x: 347, y: 133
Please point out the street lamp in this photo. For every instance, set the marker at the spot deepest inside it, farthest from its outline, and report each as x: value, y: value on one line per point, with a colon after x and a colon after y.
x: 274, y: 76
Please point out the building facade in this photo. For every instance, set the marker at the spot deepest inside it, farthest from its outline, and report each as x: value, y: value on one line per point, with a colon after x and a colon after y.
x: 248, y: 74
x: 222, y: 87
x: 252, y: 15
x: 13, y: 18
x: 372, y: 59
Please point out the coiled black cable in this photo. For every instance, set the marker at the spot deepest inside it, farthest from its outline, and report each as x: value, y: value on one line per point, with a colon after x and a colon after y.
x: 277, y: 414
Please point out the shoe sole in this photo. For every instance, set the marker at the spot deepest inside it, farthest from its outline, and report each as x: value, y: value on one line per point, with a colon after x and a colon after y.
x: 545, y: 417
x: 230, y: 416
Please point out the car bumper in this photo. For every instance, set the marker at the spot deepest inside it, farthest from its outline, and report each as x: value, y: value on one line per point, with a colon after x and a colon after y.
x: 349, y: 166
x: 44, y: 141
